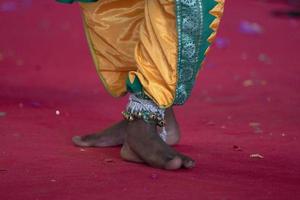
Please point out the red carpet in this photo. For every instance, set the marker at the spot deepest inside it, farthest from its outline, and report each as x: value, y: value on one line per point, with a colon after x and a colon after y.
x: 246, y: 101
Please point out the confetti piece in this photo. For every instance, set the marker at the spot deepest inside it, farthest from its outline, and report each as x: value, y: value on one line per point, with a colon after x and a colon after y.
x: 11, y: 6
x: 222, y: 43
x: 263, y: 82
x: 57, y: 112
x: 154, y: 176
x: 2, y: 114
x: 248, y: 83
x: 109, y: 160
x: 254, y: 124
x: 211, y: 123
x: 258, y: 130
x: 256, y: 155
x: 250, y: 28
x: 35, y: 104
x: 81, y: 149
x: 223, y: 127
x: 53, y: 180
x: 236, y: 148
x: 256, y: 127
x: 8, y: 6
x: 264, y: 58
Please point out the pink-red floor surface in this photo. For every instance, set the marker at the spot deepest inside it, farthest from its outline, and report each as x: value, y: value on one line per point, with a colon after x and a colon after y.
x: 241, y: 123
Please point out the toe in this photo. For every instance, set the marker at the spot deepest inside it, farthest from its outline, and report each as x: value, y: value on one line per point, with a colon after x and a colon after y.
x: 173, y: 164
x: 187, y: 162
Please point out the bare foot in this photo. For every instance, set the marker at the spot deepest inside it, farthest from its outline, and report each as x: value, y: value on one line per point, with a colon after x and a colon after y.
x: 112, y: 136
x: 142, y: 143
x: 172, y: 128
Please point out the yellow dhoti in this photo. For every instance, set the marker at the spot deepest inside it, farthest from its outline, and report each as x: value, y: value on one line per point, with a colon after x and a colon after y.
x: 138, y: 40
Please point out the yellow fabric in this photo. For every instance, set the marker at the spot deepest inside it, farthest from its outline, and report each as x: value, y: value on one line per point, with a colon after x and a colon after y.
x: 134, y: 37
x: 217, y: 12
x: 137, y: 38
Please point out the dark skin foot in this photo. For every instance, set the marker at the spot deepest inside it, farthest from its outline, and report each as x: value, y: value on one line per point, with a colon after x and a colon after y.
x: 115, y: 135
x: 112, y: 136
x: 172, y: 128
x: 143, y: 144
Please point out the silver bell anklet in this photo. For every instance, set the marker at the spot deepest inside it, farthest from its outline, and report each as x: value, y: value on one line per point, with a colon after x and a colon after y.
x: 146, y: 110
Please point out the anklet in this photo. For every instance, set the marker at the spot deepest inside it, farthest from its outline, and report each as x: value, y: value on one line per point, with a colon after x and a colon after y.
x: 144, y: 109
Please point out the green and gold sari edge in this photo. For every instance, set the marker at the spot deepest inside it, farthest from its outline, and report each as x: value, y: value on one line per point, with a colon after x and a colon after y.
x: 193, y: 28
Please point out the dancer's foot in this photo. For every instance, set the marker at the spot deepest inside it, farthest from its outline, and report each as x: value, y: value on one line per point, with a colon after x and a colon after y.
x: 115, y: 135
x: 172, y: 127
x: 112, y: 136
x: 142, y: 143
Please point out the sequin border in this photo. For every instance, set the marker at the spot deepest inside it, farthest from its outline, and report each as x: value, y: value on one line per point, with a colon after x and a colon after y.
x: 193, y: 29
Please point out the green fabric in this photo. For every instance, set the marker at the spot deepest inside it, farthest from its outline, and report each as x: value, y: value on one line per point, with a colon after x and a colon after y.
x: 193, y: 21
x: 135, y: 87
x: 72, y: 1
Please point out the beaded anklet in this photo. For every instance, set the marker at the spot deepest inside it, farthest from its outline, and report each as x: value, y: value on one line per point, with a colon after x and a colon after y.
x: 147, y: 110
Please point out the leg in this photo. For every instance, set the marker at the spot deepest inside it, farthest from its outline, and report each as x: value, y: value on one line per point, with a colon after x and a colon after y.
x: 112, y: 44
x: 156, y: 57
x: 154, y: 64
x: 163, y: 79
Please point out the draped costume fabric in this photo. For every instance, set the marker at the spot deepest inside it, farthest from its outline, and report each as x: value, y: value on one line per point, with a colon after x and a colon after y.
x: 156, y: 46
